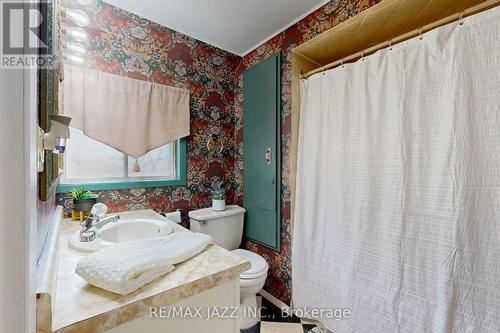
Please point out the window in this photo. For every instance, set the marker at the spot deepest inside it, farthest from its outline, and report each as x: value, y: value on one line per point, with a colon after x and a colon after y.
x: 96, y: 166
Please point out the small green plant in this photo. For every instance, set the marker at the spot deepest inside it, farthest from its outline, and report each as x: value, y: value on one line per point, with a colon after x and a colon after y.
x: 82, y: 194
x: 218, y: 192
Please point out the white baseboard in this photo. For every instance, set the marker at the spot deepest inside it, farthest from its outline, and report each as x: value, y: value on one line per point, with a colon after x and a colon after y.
x: 276, y: 302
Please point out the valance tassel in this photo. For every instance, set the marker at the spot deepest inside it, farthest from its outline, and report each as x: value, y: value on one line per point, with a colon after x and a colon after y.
x: 137, y: 166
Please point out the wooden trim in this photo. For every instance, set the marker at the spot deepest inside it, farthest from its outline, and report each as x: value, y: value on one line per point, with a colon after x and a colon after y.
x: 414, y: 33
x: 387, y: 23
x: 300, y: 64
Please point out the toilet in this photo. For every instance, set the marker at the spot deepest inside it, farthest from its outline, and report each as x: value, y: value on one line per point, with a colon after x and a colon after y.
x: 226, y: 229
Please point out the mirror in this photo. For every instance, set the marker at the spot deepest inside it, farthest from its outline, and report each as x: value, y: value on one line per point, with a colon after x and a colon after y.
x: 50, y: 80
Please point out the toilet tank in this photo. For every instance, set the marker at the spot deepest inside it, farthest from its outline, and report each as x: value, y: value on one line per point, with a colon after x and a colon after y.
x: 225, y: 228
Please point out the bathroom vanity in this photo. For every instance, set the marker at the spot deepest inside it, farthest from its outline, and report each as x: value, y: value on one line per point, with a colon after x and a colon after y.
x: 203, y: 287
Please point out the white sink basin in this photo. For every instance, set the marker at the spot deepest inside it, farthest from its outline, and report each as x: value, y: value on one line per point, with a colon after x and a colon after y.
x: 126, y: 229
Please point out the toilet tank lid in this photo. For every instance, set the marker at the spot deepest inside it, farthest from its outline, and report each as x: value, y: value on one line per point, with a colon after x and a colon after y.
x: 206, y: 214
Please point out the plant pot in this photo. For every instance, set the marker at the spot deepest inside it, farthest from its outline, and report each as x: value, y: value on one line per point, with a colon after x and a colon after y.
x: 218, y: 205
x: 83, y: 205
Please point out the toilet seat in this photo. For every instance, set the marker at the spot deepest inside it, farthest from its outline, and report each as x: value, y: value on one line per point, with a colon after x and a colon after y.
x: 259, y: 264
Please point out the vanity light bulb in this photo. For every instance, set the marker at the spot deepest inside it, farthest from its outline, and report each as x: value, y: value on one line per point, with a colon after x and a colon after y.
x: 77, y: 60
x: 86, y: 2
x: 77, y: 34
x: 78, y: 16
x: 76, y: 48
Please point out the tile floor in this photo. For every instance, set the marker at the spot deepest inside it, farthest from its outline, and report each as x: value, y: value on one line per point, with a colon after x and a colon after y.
x: 273, y: 321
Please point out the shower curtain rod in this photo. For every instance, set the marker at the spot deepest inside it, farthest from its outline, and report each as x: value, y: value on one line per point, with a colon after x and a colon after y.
x: 448, y: 19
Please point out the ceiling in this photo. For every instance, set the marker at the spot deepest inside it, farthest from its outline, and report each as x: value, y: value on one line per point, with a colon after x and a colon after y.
x: 237, y: 26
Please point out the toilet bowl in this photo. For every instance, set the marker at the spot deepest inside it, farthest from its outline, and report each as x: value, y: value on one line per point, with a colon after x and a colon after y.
x: 226, y: 229
x: 251, y: 282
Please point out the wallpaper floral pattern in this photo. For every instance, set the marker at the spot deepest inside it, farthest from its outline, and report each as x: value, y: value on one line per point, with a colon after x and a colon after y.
x: 279, y: 282
x: 125, y: 44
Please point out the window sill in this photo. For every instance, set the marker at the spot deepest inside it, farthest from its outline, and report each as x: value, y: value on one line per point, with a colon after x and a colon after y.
x: 63, y: 188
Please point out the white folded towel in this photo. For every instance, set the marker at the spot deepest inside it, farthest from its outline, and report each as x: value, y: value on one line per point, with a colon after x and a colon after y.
x: 125, y: 267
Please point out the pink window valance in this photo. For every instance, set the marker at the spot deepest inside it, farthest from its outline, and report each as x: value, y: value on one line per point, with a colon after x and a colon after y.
x: 132, y: 116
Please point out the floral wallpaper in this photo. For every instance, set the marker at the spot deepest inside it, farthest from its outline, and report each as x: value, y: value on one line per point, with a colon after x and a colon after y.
x: 279, y: 282
x: 125, y: 44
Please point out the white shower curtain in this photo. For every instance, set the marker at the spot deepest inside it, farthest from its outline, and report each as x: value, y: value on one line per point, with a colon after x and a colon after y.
x: 397, y: 215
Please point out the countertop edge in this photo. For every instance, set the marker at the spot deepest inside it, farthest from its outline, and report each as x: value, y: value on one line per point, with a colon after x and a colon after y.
x: 47, y: 274
x: 136, y: 309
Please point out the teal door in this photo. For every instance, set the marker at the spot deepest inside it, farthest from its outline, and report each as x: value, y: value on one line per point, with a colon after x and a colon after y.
x: 261, y: 152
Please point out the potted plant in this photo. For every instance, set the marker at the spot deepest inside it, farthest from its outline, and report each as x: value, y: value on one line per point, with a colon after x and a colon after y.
x: 83, y: 201
x: 218, y: 198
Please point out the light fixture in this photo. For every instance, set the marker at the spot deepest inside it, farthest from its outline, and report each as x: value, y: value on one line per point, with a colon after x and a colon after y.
x: 77, y: 34
x: 76, y: 48
x: 79, y: 17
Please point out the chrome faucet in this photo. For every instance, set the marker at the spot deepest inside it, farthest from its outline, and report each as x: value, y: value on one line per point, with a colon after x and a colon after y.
x: 92, y: 223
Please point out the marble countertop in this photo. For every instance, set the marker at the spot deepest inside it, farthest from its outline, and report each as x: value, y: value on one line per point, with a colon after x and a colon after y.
x: 76, y: 306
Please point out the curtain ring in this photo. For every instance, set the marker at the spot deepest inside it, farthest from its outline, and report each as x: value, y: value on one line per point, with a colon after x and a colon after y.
x: 420, y: 33
x: 461, y: 18
x: 363, y: 55
x: 390, y: 44
x: 342, y: 63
